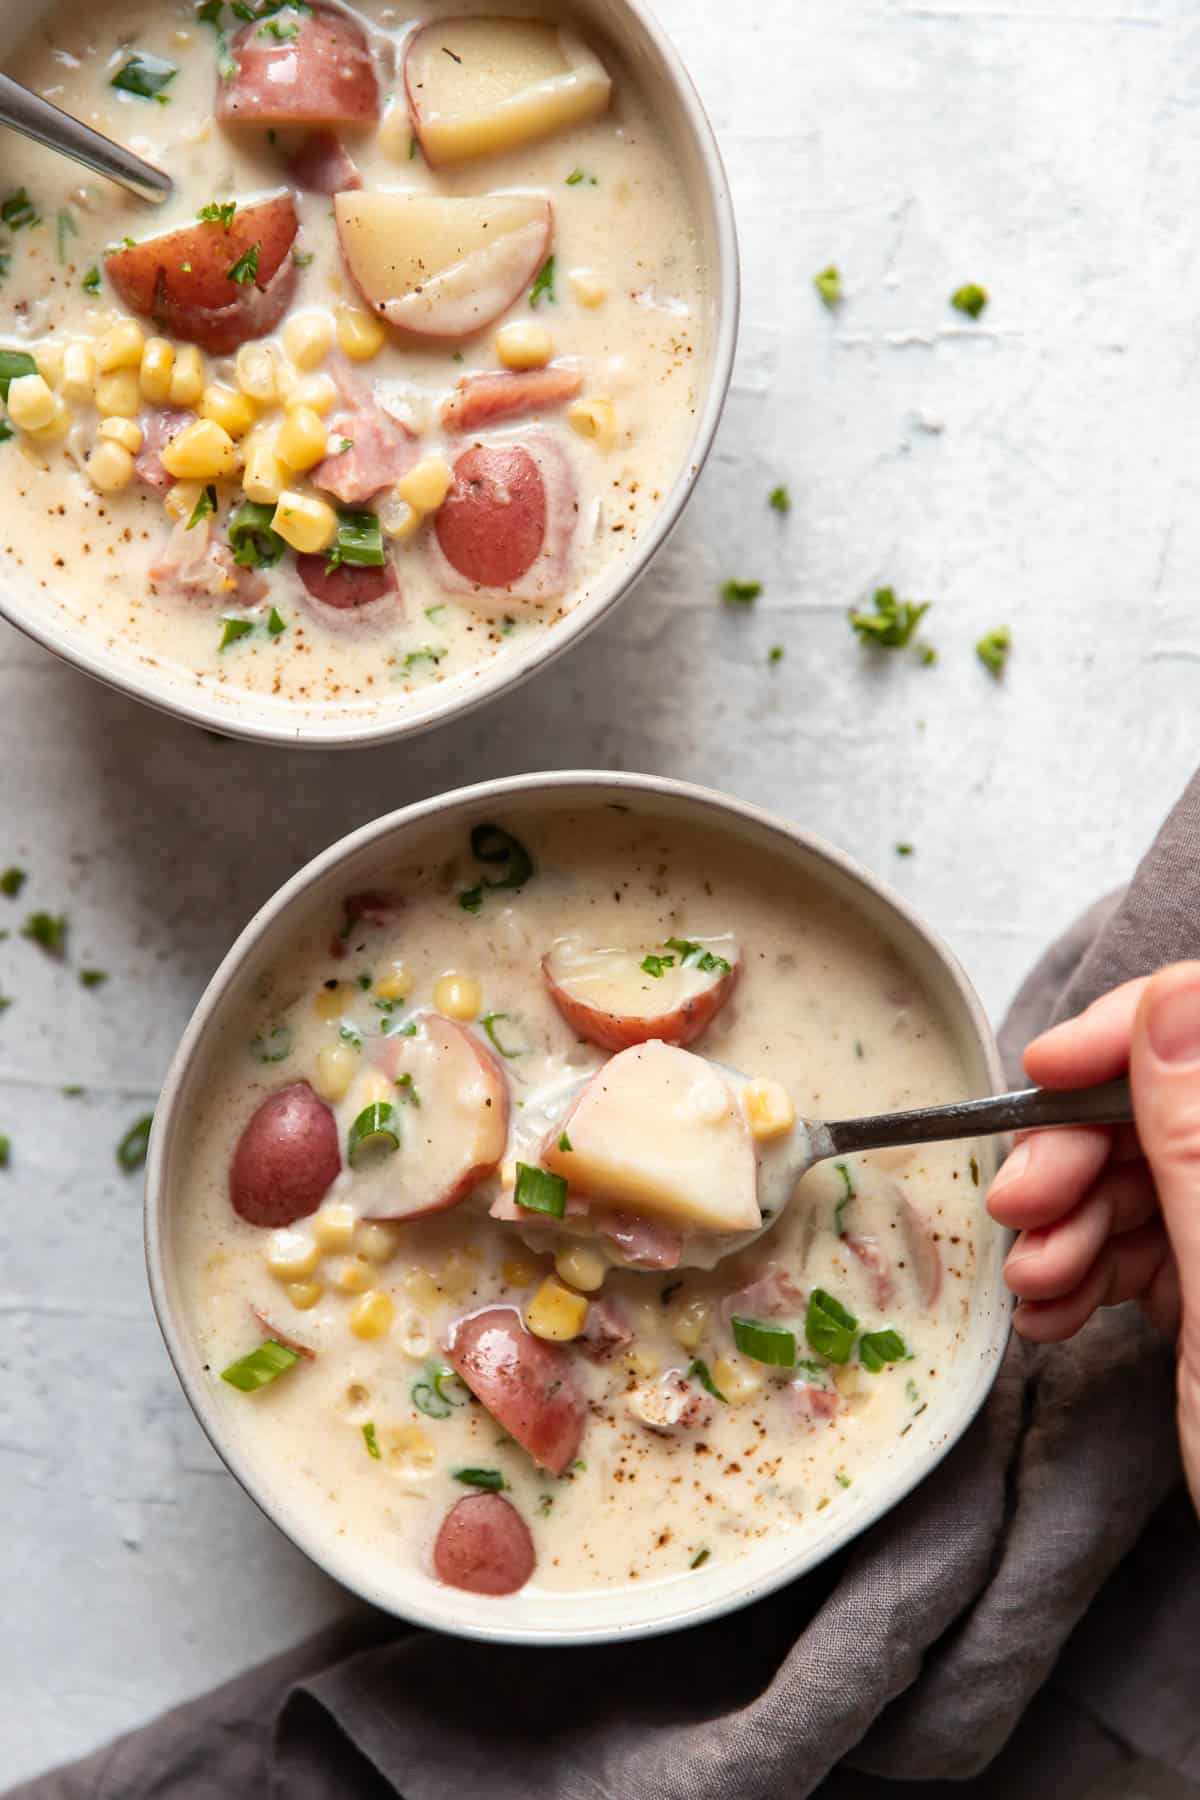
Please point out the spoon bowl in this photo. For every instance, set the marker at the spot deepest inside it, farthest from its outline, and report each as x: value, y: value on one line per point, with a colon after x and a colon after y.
x: 35, y: 118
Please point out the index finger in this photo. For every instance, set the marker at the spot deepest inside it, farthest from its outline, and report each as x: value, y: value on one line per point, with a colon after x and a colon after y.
x: 1090, y: 1048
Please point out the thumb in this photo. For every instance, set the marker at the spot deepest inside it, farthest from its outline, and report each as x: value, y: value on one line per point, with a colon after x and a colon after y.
x: 1164, y: 1068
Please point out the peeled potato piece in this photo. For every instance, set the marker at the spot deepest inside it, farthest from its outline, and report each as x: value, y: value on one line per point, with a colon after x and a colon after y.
x: 442, y: 266
x: 609, y: 997
x: 658, y: 1131
x: 479, y: 86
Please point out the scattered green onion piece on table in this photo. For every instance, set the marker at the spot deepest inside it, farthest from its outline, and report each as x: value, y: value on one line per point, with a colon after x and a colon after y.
x: 12, y: 881
x: 261, y: 1367
x: 376, y: 1128
x: 993, y: 648
x: 92, y: 978
x: 537, y: 1190
x: 371, y: 1441
x: 878, y: 1348
x: 970, y: 299
x: 233, y: 630
x: 779, y: 499
x: 272, y: 1046
x: 254, y: 544
x: 48, y: 931
x: 829, y: 1328
x: 771, y: 1344
x: 145, y: 75
x: 740, y: 593
x: 5, y: 1152
x: 12, y: 364
x: 359, y: 540
x: 828, y: 284
x: 904, y: 849
x: 698, y: 1370
x: 775, y: 654
x: 891, y: 625
x: 131, y: 1151
x: 490, y: 1480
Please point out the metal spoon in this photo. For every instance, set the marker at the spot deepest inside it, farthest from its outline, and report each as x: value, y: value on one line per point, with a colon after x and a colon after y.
x: 783, y: 1161
x: 36, y: 118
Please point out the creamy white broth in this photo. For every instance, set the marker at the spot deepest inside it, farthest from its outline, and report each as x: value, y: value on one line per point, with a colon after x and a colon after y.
x: 822, y: 1006
x: 89, y: 554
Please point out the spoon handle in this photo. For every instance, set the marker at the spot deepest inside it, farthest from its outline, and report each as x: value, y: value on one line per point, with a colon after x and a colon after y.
x: 1111, y: 1104
x: 36, y: 118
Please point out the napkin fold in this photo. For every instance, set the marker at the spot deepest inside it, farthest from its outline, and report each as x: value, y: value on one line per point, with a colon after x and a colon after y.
x: 1026, y: 1622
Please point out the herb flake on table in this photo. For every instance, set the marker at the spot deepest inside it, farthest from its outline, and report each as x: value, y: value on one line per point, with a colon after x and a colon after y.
x: 146, y: 76
x: 12, y: 881
x: 969, y: 299
x: 740, y: 593
x: 779, y: 500
x: 578, y: 176
x: 131, y: 1151
x: 92, y: 978
x: 48, y: 931
x: 904, y: 849
x: 893, y: 622
x: 774, y: 655
x: 828, y: 284
x: 993, y: 648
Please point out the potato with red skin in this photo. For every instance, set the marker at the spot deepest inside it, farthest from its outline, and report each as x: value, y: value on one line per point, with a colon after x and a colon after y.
x: 347, y: 585
x: 286, y: 1159
x: 484, y: 1546
x: 608, y: 999
x: 181, y: 279
x: 492, y: 523
x: 526, y: 1384
x: 323, y: 75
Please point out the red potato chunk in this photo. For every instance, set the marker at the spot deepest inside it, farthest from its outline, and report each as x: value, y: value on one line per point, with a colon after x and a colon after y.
x: 181, y: 279
x: 347, y: 586
x: 324, y: 75
x: 323, y: 165
x: 481, y: 400
x: 526, y: 1384
x: 286, y: 1159
x: 608, y: 997
x: 492, y: 523
x: 484, y: 1546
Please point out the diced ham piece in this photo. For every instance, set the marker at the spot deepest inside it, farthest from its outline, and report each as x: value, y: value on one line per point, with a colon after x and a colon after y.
x: 322, y: 165
x: 381, y: 911
x: 772, y: 1295
x: 607, y: 1330
x: 504, y: 531
x: 158, y: 428
x: 195, y: 566
x: 873, y: 1260
x: 646, y: 1243
x: 923, y: 1250
x: 347, y: 586
x: 281, y: 1337
x: 481, y: 400
x: 313, y: 68
x: 484, y: 1546
x: 671, y: 1404
x: 815, y: 1405
x: 379, y: 450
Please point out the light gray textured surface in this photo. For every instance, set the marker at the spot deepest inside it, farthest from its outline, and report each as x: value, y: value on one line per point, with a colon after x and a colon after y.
x: 1037, y: 469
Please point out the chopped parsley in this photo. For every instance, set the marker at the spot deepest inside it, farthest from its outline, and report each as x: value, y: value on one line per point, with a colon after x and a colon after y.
x: 233, y: 630
x: 740, y: 593
x: 775, y: 654
x: 48, y: 931
x: 245, y: 269
x: 564, y: 1143
x: 18, y: 210
x: 993, y: 648
x: 218, y: 212
x: 904, y: 849
x: 656, y: 965
x: 276, y: 625
x: 131, y: 1151
x: 893, y: 622
x: 427, y: 654
x: 829, y: 286
x: 842, y: 1480
x: 406, y: 1088
x: 92, y: 978
x: 146, y: 76
x: 490, y: 1480
x: 91, y: 281
x: 205, y: 506
x: 698, y: 1370
x: 970, y: 299
x: 779, y: 500
x: 12, y: 881
x: 544, y: 284
x: 928, y: 656
x: 578, y: 176
x: 370, y: 1440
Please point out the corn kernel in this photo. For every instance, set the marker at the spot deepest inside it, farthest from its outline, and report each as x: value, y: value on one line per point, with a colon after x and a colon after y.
x: 374, y: 1090
x: 595, y: 420
x: 31, y: 404
x: 55, y: 428
x: 360, y: 335
x: 457, y: 996
x: 118, y: 395
x: 79, y: 372
x: 333, y: 1226
x: 316, y: 391
x: 304, y: 522
x: 409, y: 1446
x: 769, y: 1108
x: 555, y: 1313
x: 372, y: 1315
x: 180, y: 499
x: 254, y: 368
x: 302, y: 439
x: 187, y: 379
x: 738, y: 1381
x: 524, y: 345
x: 421, y: 1288
x: 587, y: 287
x: 291, y: 1255
x: 397, y: 985
x: 157, y: 370
x: 109, y: 467
x: 331, y: 1002
x: 334, y: 1072
x: 689, y: 1321
x: 352, y: 1275
x: 642, y: 1363
x: 426, y: 484
x: 457, y: 1275
x: 125, y: 432
x: 378, y: 1242
x: 200, y: 452
x: 303, y: 1294
x: 582, y: 1267
x: 520, y: 1270
x: 263, y: 475
x: 120, y: 347
x: 49, y: 360
x: 400, y: 520
x: 233, y: 412
x: 308, y: 338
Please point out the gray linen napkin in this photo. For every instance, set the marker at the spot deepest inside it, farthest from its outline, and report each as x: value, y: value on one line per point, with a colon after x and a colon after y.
x: 1027, y: 1622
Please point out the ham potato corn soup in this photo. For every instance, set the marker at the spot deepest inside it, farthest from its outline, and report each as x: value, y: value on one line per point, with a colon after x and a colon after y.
x: 402, y: 369
x: 487, y: 1253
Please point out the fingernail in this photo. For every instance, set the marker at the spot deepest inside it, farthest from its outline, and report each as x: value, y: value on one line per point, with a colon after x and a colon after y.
x: 1013, y: 1167
x: 1174, y: 1025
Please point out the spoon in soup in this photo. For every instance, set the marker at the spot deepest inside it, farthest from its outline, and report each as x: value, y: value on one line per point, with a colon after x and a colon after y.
x: 36, y: 118
x: 657, y: 1114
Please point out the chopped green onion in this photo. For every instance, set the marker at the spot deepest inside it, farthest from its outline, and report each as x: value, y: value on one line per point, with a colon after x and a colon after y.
x: 699, y: 1371
x: 772, y: 1344
x: 18, y: 210
x: 740, y: 593
x: 376, y: 1128
x: 131, y: 1151
x: 779, y: 500
x: 406, y: 1087
x: 842, y: 1480
x: 829, y: 286
x: 254, y: 544
x: 233, y: 630
x: 490, y: 1480
x: 218, y: 212
x: 701, y: 1557
x: 775, y: 654
x: 275, y: 624
x: 439, y: 1392
x: 371, y: 1441
x: 993, y: 648
x: 359, y: 540
x: 91, y: 281
x: 878, y: 1348
x: 65, y: 227
x: 544, y: 285
x: 205, y: 506
x: 426, y: 1400
x: 92, y: 978
x: 970, y: 299
x: 12, y: 364
x: 471, y: 899
x: 927, y: 656
x: 564, y: 1143
x: 426, y: 654
x: 12, y: 881
x: 350, y: 1034
x: 492, y: 844
x: 537, y: 1190
x: 839, y: 1224
x: 489, y: 1022
x: 656, y: 965
x: 699, y: 957
x: 245, y: 269
x: 893, y: 622
x: 209, y: 13
x: 48, y: 931
x: 578, y: 176
x: 434, y: 613
x: 272, y: 1046
x: 146, y: 76
x: 829, y: 1328
x: 261, y: 1367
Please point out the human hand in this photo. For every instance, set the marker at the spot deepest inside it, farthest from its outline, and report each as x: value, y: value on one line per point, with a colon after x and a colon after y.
x: 1113, y: 1214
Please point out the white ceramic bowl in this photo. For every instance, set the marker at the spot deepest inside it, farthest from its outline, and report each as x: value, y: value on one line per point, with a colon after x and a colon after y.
x: 362, y: 861
x: 644, y: 48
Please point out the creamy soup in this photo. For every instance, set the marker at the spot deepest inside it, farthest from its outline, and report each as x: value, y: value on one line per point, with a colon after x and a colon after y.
x: 486, y: 1233
x: 400, y: 372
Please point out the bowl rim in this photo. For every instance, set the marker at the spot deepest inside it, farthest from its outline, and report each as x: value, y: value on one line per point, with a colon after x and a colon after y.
x: 215, y: 713
x: 553, y: 786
